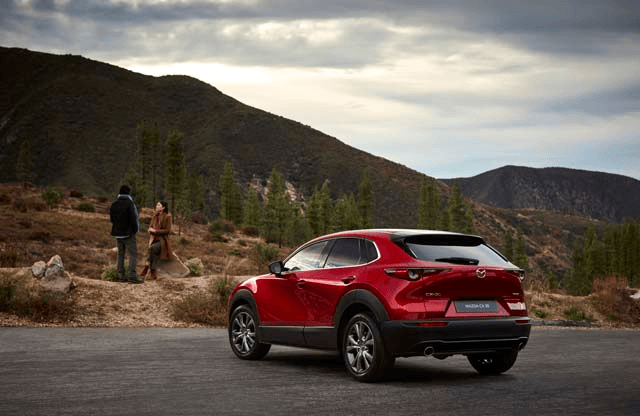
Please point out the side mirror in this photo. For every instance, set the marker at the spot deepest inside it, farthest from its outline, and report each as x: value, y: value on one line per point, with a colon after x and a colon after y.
x: 276, y: 268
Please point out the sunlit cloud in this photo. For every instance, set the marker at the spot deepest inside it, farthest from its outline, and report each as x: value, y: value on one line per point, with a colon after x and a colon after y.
x: 447, y: 88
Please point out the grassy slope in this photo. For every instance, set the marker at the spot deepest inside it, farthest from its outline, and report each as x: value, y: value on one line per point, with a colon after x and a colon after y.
x: 82, y: 240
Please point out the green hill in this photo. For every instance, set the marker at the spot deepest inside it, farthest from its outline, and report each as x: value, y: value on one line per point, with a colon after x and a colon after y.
x: 81, y: 117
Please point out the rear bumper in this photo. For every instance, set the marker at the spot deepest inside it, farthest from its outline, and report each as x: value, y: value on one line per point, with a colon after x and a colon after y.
x: 457, y: 336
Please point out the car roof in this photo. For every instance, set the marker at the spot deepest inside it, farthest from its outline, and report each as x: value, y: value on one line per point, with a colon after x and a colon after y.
x: 391, y: 233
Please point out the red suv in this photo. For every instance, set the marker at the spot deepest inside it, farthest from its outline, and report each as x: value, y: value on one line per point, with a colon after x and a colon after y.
x: 374, y: 295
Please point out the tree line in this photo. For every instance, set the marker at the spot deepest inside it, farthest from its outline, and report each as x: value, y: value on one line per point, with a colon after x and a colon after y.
x: 160, y: 172
x: 612, y: 251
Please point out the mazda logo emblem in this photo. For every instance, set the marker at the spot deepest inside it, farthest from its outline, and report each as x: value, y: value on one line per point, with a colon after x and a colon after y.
x: 481, y: 273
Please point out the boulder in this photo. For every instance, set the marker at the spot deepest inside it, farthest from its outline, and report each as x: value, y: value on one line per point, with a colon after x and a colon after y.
x: 55, y: 279
x: 38, y: 269
x: 173, y: 268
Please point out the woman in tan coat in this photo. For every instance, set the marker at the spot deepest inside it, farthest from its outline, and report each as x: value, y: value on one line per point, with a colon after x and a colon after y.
x: 159, y: 245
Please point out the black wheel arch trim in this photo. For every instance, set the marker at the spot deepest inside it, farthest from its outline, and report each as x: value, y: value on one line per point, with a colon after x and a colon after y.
x: 360, y: 297
x: 243, y: 296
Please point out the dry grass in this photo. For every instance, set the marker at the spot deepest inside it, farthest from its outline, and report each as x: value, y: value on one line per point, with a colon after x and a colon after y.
x: 21, y: 295
x: 84, y: 242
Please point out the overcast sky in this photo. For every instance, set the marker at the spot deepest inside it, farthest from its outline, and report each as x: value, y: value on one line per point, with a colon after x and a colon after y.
x: 449, y: 88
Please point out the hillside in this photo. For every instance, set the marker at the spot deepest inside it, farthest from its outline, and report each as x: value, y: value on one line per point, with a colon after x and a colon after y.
x: 30, y: 232
x: 80, y: 117
x: 594, y: 194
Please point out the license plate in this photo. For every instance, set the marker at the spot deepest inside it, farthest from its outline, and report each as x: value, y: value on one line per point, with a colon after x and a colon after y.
x: 476, y: 306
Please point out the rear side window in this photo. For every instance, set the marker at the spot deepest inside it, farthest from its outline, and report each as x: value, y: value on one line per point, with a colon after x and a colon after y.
x: 345, y: 252
x: 351, y: 252
x: 453, y: 249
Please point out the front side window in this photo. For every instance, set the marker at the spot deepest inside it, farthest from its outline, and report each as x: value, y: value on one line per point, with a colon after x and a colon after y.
x: 309, y: 258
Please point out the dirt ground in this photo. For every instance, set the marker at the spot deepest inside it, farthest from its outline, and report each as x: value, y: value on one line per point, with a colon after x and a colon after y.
x: 113, y: 304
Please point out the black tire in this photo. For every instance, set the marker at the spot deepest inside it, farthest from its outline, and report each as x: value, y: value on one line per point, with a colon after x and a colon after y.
x: 363, y: 351
x: 494, y: 363
x: 243, y: 327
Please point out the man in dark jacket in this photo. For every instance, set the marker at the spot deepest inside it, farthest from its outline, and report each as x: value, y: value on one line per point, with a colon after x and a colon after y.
x: 125, y: 225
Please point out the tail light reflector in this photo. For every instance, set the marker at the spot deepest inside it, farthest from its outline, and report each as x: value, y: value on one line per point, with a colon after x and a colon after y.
x: 414, y: 274
x: 432, y: 324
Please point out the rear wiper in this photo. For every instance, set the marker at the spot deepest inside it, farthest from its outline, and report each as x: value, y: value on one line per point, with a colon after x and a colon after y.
x: 459, y: 260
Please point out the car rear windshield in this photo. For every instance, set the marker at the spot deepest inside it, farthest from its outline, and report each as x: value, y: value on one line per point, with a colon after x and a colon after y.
x: 453, y: 249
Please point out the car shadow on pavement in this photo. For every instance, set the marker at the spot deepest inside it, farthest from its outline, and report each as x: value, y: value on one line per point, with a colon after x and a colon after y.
x: 412, y: 370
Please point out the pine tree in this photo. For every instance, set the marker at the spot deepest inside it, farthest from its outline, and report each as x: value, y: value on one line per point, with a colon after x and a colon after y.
x: 507, y: 245
x: 457, y: 211
x: 631, y: 252
x: 149, y: 161
x: 346, y: 214
x: 520, y: 251
x: 252, y: 211
x: 230, y: 196
x: 298, y: 229
x: 195, y: 198
x: 320, y: 211
x: 175, y: 169
x: 277, y: 211
x: 365, y: 200
x: 24, y: 165
x: 576, y: 280
x: 429, y: 205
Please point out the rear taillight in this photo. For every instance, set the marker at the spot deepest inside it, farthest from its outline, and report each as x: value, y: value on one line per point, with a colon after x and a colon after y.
x: 519, y: 273
x: 414, y: 274
x: 517, y: 306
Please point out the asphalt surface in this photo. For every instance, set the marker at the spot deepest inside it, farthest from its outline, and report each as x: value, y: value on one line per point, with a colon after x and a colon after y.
x: 71, y: 371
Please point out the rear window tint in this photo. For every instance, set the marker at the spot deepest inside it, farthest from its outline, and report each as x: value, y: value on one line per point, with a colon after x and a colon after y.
x: 454, y: 250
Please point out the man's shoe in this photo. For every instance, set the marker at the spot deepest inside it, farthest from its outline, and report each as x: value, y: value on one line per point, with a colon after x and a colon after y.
x: 136, y: 280
x: 123, y: 279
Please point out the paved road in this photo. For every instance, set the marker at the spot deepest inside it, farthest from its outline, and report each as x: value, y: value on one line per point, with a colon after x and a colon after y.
x: 57, y: 371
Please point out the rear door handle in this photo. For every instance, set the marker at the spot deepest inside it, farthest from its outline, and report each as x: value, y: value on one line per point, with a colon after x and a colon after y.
x: 301, y: 283
x: 347, y: 280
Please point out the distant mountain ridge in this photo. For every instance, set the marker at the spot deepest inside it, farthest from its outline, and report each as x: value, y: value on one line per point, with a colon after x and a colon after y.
x: 595, y: 194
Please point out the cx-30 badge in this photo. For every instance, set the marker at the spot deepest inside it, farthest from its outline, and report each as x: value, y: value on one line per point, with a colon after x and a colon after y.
x: 481, y: 273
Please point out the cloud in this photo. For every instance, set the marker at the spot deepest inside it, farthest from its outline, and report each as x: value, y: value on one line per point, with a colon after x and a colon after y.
x: 443, y: 86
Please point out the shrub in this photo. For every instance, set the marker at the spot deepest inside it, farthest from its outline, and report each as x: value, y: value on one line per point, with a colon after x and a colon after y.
x: 540, y: 314
x: 9, y: 257
x: 575, y: 314
x: 207, y: 306
x: 223, y: 288
x: 194, y: 269
x: 24, y: 204
x: 19, y: 297
x: 265, y: 255
x: 218, y: 228
x: 111, y: 274
x: 199, y: 218
x: 74, y: 193
x: 251, y: 231
x: 52, y: 197
x: 612, y: 299
x: 86, y: 207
